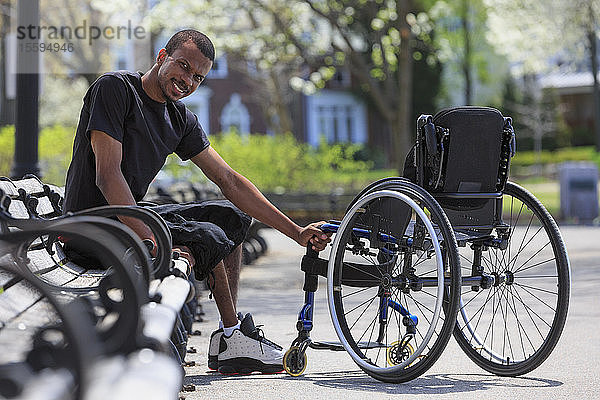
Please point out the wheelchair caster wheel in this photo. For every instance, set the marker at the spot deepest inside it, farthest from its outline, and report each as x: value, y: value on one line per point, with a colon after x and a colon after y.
x: 294, y: 361
x: 397, y: 355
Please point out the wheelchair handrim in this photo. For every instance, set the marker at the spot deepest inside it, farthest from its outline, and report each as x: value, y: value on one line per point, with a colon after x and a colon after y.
x: 440, y: 273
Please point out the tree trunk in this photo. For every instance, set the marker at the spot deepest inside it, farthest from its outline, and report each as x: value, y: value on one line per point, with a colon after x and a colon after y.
x: 596, y: 90
x: 467, y: 53
x: 7, y: 106
x: 284, y: 124
x: 400, y: 128
x: 90, y: 77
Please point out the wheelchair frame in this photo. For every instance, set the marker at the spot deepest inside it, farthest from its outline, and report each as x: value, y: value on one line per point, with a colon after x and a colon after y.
x: 488, y: 267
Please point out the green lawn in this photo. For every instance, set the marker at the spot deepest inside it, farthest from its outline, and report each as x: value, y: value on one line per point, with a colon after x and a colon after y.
x: 547, y: 192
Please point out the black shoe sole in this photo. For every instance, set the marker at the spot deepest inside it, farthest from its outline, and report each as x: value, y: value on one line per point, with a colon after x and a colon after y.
x: 245, y: 366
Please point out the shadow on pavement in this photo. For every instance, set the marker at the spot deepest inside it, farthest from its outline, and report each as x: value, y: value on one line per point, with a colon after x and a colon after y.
x: 357, y: 380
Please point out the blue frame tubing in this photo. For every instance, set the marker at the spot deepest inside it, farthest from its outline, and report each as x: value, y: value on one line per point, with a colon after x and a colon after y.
x: 305, y: 317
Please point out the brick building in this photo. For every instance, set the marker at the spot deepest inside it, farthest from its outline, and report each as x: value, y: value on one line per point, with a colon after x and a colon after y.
x: 226, y: 100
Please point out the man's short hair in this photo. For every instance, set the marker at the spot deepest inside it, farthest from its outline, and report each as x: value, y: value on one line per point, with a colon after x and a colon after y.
x: 200, y: 40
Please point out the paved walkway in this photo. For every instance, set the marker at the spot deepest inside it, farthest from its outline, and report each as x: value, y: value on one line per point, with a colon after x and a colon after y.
x: 272, y: 290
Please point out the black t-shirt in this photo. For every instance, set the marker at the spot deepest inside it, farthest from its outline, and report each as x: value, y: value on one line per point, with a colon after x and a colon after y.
x: 148, y: 130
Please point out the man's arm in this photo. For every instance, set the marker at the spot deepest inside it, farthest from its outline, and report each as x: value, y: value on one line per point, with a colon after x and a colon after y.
x: 241, y: 192
x: 110, y: 180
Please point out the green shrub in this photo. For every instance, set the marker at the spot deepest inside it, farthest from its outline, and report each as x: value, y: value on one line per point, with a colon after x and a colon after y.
x: 7, y: 149
x: 529, y: 158
x: 280, y: 162
x: 55, y: 148
x: 272, y: 163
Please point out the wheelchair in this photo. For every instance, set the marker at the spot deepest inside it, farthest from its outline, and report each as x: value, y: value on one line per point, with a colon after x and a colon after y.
x: 452, y: 248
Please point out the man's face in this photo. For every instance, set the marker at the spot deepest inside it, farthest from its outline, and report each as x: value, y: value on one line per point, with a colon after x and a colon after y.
x: 181, y: 73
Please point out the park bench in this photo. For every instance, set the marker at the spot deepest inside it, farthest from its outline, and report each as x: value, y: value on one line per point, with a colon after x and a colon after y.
x: 117, y: 330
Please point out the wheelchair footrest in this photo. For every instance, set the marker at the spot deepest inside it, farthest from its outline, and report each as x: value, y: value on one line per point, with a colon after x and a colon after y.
x: 337, y: 346
x: 334, y: 346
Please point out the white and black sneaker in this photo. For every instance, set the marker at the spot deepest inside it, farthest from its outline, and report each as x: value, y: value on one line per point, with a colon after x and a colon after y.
x: 213, y: 346
x: 247, y: 351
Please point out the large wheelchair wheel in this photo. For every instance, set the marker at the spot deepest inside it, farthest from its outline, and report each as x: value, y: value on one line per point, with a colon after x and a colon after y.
x: 510, y: 328
x: 394, y: 281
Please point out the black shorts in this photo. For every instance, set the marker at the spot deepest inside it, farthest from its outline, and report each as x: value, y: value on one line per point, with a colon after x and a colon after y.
x: 211, y: 229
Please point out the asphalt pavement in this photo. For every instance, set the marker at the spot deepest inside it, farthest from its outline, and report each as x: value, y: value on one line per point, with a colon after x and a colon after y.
x: 271, y: 289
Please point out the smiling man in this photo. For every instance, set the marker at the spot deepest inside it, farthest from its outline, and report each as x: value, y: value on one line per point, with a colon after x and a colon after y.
x: 129, y: 123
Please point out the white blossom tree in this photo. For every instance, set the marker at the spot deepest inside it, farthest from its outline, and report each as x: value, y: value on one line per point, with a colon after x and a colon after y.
x: 538, y: 35
x: 301, y: 44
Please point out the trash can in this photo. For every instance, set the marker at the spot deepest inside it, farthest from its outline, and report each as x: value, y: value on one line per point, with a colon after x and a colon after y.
x: 579, y: 191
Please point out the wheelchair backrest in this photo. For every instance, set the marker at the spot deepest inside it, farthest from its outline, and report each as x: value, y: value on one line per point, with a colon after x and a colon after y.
x: 462, y: 158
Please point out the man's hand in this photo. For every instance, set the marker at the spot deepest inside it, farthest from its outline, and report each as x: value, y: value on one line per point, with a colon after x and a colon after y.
x: 313, y: 235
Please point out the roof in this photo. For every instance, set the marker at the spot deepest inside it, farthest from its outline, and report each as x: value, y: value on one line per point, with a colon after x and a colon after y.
x: 569, y: 83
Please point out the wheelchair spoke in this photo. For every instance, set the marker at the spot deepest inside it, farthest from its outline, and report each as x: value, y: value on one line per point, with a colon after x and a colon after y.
x: 491, y: 325
x: 510, y: 302
x: 550, y: 260
x: 472, y: 298
x: 369, y: 259
x: 428, y: 294
x: 522, y: 246
x: 521, y: 326
x: 356, y: 292
x: 530, y: 258
x: 372, y: 326
x: 525, y: 287
x: 421, y: 259
x: 467, y: 259
x: 506, y: 336
x: 420, y: 306
x: 514, y: 224
x: 19, y: 313
x: 370, y: 301
x: 529, y: 312
x: 478, y: 312
x: 347, y: 265
x: 499, y: 266
x: 419, y: 334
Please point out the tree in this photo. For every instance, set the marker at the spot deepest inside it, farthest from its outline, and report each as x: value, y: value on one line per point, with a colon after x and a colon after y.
x: 375, y: 40
x: 7, y: 106
x: 471, y: 65
x: 68, y: 73
x: 92, y: 53
x: 538, y: 33
x: 249, y: 38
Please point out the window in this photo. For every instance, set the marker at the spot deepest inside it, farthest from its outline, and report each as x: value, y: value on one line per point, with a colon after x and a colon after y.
x: 219, y: 69
x: 336, y: 116
x: 235, y: 115
x: 199, y: 103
